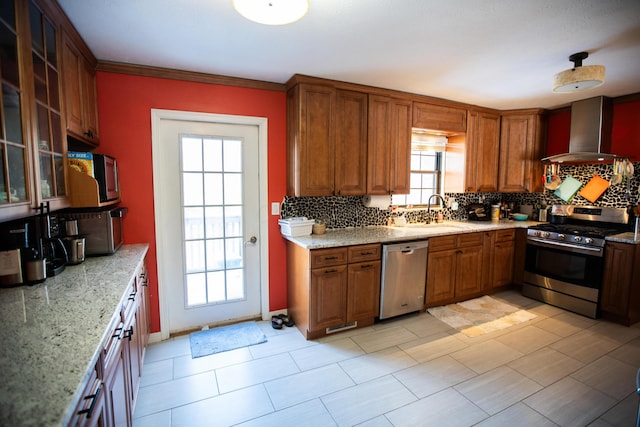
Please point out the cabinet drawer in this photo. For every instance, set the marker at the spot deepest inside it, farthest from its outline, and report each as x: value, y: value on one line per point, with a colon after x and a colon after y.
x: 443, y: 243
x: 364, y: 253
x: 327, y: 257
x: 505, y: 235
x: 470, y: 239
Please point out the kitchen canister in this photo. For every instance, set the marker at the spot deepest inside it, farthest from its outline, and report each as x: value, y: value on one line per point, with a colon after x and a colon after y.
x: 495, y: 212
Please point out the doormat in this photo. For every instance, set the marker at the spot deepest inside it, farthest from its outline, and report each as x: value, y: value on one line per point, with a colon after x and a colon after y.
x: 480, y: 316
x: 225, y: 338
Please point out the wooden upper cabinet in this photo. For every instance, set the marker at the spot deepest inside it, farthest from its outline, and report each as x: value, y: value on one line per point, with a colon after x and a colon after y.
x: 311, y: 140
x: 80, y: 94
x: 389, y: 148
x: 482, y: 152
x: 351, y: 143
x: 439, y: 117
x: 521, y: 148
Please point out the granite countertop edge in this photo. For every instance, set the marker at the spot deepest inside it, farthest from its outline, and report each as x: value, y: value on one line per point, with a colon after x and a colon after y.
x: 334, y: 238
x: 53, y: 334
x: 390, y: 234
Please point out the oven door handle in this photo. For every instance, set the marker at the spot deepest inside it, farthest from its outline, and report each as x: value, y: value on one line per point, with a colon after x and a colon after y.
x: 579, y: 249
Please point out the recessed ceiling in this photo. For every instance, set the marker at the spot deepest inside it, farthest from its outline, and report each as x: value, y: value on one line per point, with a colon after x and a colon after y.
x: 495, y: 53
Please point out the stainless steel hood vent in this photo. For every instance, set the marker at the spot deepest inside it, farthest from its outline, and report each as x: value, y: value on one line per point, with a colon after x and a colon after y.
x: 590, y: 138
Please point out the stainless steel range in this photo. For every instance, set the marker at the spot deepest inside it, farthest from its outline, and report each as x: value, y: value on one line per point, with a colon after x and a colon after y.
x: 565, y: 261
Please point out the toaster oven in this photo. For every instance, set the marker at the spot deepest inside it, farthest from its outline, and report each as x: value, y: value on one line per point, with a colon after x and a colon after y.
x: 101, y: 228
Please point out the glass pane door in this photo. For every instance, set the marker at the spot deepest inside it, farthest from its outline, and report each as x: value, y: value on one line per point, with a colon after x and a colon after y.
x: 212, y: 219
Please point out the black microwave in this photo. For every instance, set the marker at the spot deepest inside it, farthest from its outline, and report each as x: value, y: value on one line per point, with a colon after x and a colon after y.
x: 105, y: 171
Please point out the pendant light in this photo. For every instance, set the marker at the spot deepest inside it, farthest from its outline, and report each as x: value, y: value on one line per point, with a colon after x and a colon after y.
x: 578, y: 77
x: 272, y: 12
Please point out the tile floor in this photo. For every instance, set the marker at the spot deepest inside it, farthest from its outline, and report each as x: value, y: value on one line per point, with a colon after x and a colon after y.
x: 557, y: 369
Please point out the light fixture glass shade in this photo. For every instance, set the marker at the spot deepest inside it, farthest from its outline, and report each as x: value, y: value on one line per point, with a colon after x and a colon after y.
x: 272, y: 12
x: 578, y: 78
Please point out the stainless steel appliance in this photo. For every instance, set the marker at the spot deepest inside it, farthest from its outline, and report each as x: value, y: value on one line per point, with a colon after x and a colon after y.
x: 564, y: 261
x: 404, y: 276
x: 73, y: 242
x: 101, y: 228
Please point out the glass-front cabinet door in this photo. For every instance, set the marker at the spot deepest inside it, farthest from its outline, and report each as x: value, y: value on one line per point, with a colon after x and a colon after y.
x: 50, y: 142
x: 14, y: 183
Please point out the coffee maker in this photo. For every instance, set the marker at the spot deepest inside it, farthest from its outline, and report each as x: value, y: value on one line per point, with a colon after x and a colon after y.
x: 21, y: 261
x: 51, y: 248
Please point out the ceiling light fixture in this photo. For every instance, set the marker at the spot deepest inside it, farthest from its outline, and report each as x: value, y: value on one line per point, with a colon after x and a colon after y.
x: 578, y: 77
x: 272, y: 12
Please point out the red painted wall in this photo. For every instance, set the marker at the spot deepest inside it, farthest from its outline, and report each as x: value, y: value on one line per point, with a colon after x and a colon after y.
x: 124, y: 107
x: 625, y: 138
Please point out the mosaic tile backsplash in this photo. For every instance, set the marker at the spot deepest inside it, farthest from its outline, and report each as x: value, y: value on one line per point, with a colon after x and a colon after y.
x: 342, y: 212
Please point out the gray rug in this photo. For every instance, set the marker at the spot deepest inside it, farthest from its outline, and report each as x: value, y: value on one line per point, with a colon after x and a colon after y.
x: 225, y: 338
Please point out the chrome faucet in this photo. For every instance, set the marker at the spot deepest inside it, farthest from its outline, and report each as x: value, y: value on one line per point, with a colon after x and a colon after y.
x: 429, y: 206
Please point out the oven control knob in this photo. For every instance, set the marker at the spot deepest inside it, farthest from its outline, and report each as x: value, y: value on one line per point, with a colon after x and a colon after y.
x: 546, y: 234
x: 588, y: 240
x: 561, y: 236
x: 578, y: 239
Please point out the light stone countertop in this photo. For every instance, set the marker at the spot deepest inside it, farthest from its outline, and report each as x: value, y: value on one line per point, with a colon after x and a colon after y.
x: 383, y: 234
x: 51, y: 335
x: 628, y: 237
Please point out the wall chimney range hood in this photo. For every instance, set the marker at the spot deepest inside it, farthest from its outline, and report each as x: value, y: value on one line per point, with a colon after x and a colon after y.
x: 590, y: 138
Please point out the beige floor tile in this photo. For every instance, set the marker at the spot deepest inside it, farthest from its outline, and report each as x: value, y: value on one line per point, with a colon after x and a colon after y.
x: 308, y: 414
x: 157, y: 372
x: 170, y: 394
x: 486, y: 356
x: 546, y: 366
x: 585, y: 346
x: 628, y: 353
x: 433, y: 376
x: 569, y: 402
x: 307, y: 385
x: 375, y: 365
x: 254, y: 372
x: 433, y: 347
x: 380, y: 421
x: 446, y: 408
x: 565, y: 324
x: 624, y: 413
x: 543, y: 310
x: 528, y: 339
x: 168, y: 349
x: 186, y: 365
x: 619, y: 333
x: 497, y: 389
x: 159, y: 419
x: 224, y: 410
x: 517, y: 415
x: 366, y: 401
x: 279, y: 344
x: 610, y: 376
x: 425, y: 325
x: 385, y: 338
x: 326, y: 353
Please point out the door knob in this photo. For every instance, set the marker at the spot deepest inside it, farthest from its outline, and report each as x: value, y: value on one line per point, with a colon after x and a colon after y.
x: 253, y: 240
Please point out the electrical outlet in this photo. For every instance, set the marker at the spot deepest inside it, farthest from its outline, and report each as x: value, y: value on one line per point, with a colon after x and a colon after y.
x: 275, y: 208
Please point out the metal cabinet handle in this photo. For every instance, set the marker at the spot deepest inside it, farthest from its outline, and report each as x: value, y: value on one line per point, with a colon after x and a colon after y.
x: 89, y: 410
x: 129, y: 333
x: 117, y: 333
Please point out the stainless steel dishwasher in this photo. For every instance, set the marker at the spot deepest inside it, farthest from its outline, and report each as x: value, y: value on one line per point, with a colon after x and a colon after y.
x: 404, y: 277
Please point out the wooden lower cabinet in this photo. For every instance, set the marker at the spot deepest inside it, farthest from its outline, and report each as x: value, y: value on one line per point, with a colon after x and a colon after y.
x: 620, y: 294
x: 454, y: 268
x: 330, y: 289
x: 499, y: 258
x: 91, y: 411
x: 119, y: 369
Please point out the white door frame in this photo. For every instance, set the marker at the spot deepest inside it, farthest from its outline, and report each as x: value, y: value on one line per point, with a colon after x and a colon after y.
x: 161, y: 255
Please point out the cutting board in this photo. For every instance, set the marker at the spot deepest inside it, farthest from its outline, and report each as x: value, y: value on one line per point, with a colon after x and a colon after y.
x: 594, y: 188
x: 568, y: 188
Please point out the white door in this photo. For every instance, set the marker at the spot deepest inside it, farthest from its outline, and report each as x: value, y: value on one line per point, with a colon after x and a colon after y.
x: 207, y: 204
